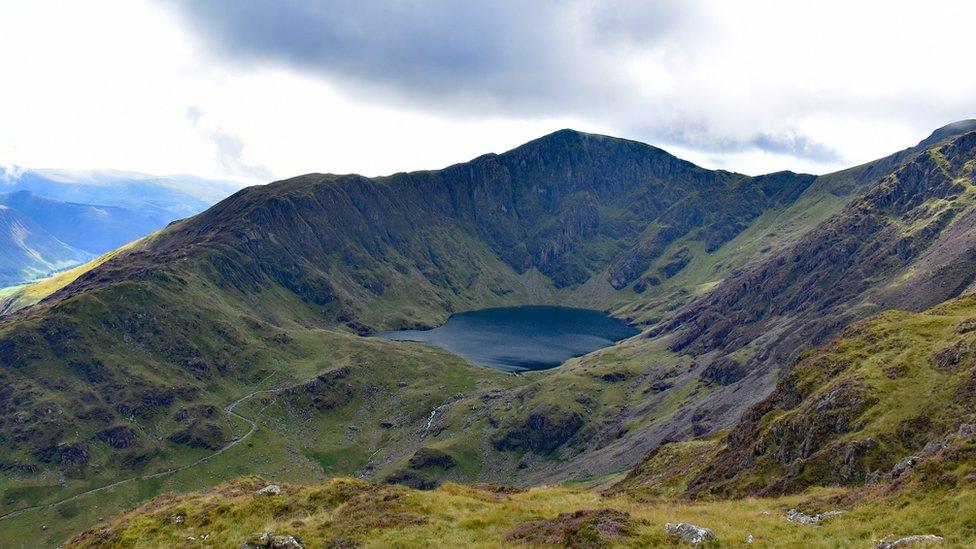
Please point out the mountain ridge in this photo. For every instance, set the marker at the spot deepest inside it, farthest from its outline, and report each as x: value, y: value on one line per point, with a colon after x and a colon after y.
x: 272, y: 281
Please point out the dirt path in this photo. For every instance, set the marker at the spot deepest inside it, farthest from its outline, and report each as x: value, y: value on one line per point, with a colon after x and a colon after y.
x: 229, y: 410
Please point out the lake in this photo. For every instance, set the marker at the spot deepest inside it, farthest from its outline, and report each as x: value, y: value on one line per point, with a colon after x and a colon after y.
x: 533, y: 337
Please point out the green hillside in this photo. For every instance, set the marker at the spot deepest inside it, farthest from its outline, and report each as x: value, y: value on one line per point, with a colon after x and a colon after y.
x: 230, y: 344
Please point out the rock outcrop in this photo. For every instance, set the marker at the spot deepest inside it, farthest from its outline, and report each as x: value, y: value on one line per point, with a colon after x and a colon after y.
x: 922, y: 539
x: 689, y: 533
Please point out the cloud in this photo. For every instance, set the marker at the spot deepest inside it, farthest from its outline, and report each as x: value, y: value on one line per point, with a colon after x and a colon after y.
x: 713, y: 75
x: 228, y: 147
x: 700, y: 137
x: 376, y: 86
x: 633, y: 65
x: 10, y: 172
x: 474, y: 56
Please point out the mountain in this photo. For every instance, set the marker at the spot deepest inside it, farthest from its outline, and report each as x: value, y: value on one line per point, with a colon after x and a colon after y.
x: 242, y: 322
x: 92, y: 213
x: 730, y: 322
x: 27, y: 251
x: 94, y: 229
x: 173, y: 196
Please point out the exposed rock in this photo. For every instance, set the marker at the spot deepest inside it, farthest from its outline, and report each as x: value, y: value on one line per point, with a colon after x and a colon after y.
x: 689, y: 533
x: 119, y: 437
x: 178, y: 519
x: 542, y: 431
x: 270, y: 540
x: 429, y: 457
x: 910, y: 540
x: 679, y: 260
x: 904, y: 466
x: 614, y: 377
x: 802, y: 518
x: 200, y: 434
x: 659, y: 386
x: 966, y: 326
x: 195, y: 411
x: 269, y: 490
x: 724, y: 371
x: 66, y: 455
x: 329, y: 390
x: 954, y: 356
x: 413, y: 478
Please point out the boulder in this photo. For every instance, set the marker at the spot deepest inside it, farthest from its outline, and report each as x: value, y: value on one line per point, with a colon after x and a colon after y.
x: 904, y: 466
x: 910, y: 540
x: 802, y: 518
x: 689, y: 533
x: 269, y: 490
x: 270, y: 540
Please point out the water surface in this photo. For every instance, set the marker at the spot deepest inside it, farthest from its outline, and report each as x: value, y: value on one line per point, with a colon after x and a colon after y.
x: 521, y: 338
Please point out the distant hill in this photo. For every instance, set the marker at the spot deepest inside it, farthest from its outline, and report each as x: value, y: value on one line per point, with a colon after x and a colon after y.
x: 71, y: 217
x: 179, y: 195
x: 27, y: 251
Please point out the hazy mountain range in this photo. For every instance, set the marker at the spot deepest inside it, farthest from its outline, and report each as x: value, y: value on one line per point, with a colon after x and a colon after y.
x: 55, y: 219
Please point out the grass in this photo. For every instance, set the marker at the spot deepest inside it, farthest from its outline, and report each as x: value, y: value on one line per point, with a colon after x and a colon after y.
x: 351, y: 511
x: 289, y: 443
x: 773, y: 230
x: 893, y: 386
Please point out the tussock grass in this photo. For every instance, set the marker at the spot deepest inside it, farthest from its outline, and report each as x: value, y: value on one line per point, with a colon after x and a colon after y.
x: 352, y: 511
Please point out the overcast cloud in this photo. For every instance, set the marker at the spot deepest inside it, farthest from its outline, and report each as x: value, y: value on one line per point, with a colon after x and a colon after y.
x: 262, y: 88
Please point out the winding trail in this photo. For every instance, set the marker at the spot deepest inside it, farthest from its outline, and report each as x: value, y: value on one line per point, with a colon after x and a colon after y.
x: 229, y: 410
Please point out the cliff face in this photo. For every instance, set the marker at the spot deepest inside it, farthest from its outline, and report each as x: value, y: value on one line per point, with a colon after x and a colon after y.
x: 572, y: 206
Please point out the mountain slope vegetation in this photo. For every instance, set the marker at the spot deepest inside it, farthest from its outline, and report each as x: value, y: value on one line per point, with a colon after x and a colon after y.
x: 244, y: 323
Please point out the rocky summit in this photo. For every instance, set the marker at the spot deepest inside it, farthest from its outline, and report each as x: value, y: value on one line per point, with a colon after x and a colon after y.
x: 804, y: 375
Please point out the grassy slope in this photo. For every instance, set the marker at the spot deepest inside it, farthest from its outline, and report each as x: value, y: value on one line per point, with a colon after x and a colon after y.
x: 336, y: 441
x: 287, y: 353
x: 891, y: 355
x: 347, y: 511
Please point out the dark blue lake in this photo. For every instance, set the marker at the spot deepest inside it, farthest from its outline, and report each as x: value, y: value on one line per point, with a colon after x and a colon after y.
x: 521, y: 338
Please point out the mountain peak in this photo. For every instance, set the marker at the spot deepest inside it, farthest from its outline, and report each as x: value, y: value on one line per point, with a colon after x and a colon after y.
x: 950, y: 130
x: 568, y: 139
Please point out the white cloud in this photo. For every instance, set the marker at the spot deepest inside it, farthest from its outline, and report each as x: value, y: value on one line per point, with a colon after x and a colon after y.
x: 749, y: 86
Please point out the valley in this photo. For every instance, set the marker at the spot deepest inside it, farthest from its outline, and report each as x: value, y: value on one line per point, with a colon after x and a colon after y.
x: 231, y: 344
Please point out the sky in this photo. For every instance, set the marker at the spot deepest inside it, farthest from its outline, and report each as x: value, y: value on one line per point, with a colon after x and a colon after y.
x: 256, y: 90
